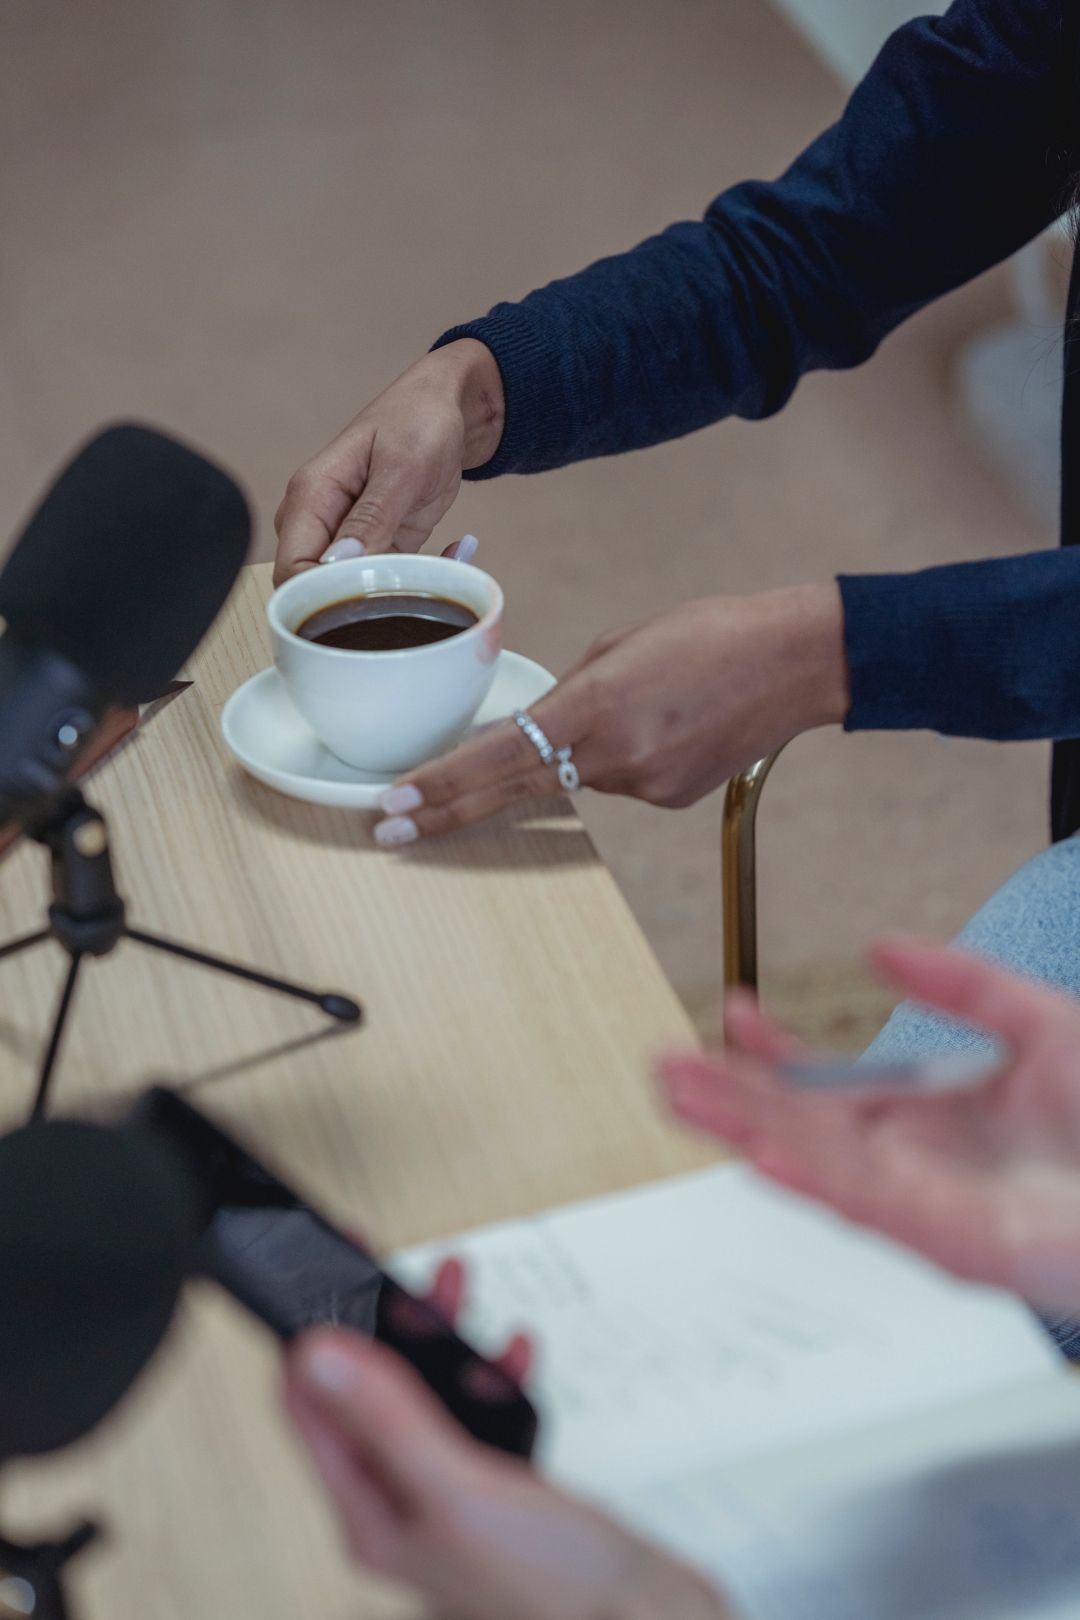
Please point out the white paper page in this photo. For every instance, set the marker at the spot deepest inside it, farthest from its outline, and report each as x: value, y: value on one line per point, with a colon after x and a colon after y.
x: 714, y: 1316
x: 969, y: 1514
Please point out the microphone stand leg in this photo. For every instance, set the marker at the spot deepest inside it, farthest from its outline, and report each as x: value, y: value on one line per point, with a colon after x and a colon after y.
x: 24, y: 942
x: 52, y: 1051
x: 336, y: 1006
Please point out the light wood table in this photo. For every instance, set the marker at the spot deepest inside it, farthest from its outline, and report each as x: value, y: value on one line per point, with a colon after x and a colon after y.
x: 512, y: 1008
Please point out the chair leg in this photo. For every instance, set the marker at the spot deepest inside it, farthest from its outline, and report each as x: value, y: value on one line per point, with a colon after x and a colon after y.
x: 739, y: 855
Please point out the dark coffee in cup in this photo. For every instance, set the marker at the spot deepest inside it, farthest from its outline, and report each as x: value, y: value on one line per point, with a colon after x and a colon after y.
x: 386, y: 621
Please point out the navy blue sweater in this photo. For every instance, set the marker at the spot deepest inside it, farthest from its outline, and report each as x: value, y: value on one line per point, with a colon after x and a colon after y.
x: 961, y: 144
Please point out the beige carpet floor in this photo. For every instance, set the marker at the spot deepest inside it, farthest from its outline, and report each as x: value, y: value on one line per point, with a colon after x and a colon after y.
x: 242, y: 220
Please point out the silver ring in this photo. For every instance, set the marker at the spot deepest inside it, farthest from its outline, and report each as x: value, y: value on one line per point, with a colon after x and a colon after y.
x: 536, y: 735
x: 569, y: 777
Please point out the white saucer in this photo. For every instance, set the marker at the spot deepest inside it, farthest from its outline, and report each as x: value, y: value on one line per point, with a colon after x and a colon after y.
x: 266, y: 734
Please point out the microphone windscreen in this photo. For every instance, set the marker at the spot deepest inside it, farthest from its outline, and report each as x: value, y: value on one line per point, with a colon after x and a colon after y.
x: 127, y: 561
x: 97, y: 1231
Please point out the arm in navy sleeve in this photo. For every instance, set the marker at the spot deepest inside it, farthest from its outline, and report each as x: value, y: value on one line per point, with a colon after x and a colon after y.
x: 973, y: 649
x: 949, y: 156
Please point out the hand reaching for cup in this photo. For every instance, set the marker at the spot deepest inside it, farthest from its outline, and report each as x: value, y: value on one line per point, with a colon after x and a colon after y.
x: 664, y: 711
x: 477, y: 1532
x: 984, y: 1182
x: 385, y: 481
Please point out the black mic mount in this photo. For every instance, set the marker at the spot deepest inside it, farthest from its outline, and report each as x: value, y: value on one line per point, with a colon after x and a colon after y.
x: 49, y: 711
x: 116, y: 578
x: 88, y: 918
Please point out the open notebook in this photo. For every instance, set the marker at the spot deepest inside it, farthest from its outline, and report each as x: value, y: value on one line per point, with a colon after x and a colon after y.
x: 830, y: 1426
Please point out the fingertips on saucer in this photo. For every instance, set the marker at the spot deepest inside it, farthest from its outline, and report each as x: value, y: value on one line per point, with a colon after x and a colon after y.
x: 396, y: 830
x: 400, y: 799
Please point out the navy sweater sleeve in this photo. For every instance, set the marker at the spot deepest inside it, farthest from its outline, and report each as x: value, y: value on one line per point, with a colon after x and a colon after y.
x: 972, y: 649
x: 952, y: 152
x: 949, y: 156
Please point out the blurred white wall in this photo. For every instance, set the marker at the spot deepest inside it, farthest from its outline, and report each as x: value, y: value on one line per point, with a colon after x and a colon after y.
x: 848, y: 33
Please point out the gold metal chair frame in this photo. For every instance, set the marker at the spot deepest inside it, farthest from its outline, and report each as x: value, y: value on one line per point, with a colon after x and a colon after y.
x: 739, y: 850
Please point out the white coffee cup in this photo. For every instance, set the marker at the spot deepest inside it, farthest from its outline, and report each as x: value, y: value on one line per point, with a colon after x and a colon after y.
x: 388, y: 711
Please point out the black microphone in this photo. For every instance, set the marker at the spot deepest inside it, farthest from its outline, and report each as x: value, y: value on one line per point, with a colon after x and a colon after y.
x: 99, y: 1231
x: 110, y: 588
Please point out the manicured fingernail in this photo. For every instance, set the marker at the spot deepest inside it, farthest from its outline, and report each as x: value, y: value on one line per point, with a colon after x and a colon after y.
x: 466, y: 548
x: 398, y: 830
x: 331, y: 1370
x: 397, y: 799
x: 347, y: 546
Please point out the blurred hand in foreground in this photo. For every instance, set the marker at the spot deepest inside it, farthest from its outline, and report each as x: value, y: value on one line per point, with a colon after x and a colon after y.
x: 986, y: 1182
x: 479, y: 1533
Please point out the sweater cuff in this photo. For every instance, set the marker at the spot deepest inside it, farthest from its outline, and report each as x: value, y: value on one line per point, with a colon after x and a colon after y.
x: 893, y: 653
x: 533, y: 390
x: 974, y: 649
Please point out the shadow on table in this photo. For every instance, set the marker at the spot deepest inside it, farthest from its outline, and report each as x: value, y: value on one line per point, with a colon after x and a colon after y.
x: 261, y: 1057
x: 542, y: 833
x: 104, y: 1102
x: 545, y: 833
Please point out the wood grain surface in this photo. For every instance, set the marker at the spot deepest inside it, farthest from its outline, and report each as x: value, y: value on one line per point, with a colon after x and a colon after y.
x: 512, y: 1006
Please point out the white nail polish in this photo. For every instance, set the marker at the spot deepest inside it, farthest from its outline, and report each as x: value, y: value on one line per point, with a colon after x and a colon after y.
x: 397, y: 799
x: 466, y: 548
x: 348, y: 546
x: 397, y: 830
x: 332, y: 1371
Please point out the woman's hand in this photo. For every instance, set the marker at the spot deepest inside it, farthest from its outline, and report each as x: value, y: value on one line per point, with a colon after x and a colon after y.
x: 478, y: 1533
x: 664, y: 711
x: 985, y: 1182
x: 393, y: 472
